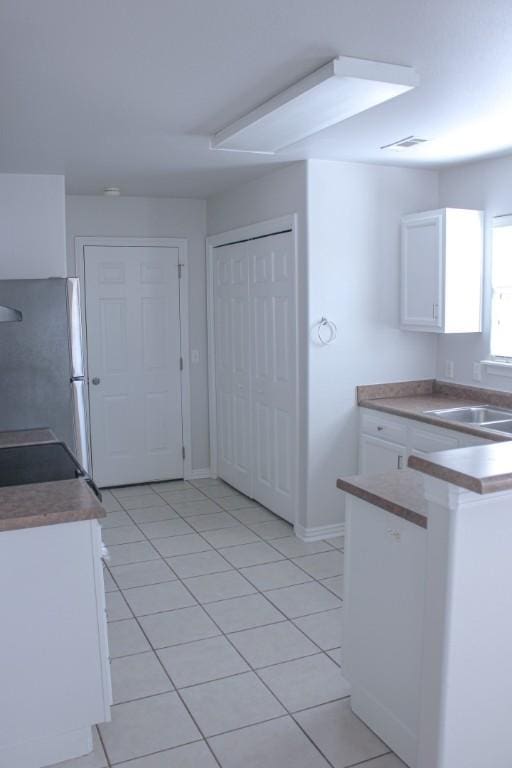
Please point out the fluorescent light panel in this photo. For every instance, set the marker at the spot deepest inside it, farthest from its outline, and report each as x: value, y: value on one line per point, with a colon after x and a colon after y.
x: 338, y: 90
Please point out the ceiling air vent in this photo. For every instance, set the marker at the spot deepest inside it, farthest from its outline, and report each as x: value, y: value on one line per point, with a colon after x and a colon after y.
x: 406, y: 143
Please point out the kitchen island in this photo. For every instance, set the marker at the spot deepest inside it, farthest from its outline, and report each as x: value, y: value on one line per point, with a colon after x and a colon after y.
x: 428, y: 606
x: 55, y: 677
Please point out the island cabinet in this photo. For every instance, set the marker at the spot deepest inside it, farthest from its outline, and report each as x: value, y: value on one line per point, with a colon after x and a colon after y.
x: 441, y: 271
x: 54, y: 676
x: 385, y: 576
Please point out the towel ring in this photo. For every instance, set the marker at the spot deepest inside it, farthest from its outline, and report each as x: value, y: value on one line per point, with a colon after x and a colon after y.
x: 326, y: 331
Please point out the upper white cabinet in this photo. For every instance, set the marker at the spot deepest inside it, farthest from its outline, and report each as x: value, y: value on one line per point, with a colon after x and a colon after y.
x: 441, y: 271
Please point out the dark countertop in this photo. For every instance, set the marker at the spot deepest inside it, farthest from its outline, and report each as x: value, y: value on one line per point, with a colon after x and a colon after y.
x: 411, y: 399
x: 399, y: 492
x: 36, y: 504
x: 480, y: 468
x: 26, y: 437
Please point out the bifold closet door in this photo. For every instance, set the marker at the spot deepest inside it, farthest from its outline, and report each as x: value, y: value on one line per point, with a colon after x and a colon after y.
x: 255, y: 363
x: 232, y: 365
x: 273, y: 365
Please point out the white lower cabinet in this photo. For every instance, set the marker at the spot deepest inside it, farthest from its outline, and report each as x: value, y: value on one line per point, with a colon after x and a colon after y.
x: 385, y: 575
x: 378, y: 455
x: 386, y: 441
x: 54, y: 665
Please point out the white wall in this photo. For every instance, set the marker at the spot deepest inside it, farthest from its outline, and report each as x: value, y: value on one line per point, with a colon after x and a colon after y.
x: 97, y: 215
x: 354, y: 256
x: 275, y: 194
x: 32, y: 226
x: 486, y: 185
x: 349, y: 226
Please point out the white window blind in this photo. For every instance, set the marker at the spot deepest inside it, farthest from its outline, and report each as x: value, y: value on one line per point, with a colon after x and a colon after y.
x: 501, y: 317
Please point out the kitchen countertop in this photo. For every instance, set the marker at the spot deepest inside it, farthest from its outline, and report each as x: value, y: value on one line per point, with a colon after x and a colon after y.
x: 399, y: 492
x: 480, y: 468
x: 412, y: 399
x: 26, y: 437
x: 36, y: 504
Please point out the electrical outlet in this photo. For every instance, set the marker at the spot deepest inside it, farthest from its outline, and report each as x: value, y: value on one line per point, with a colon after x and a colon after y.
x: 449, y: 369
x: 477, y: 371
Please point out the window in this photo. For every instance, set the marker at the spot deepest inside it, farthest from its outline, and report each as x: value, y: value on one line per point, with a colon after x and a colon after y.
x: 501, y: 322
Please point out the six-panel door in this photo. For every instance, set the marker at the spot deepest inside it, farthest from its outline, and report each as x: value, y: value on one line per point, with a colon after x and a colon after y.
x: 133, y: 343
x: 254, y: 318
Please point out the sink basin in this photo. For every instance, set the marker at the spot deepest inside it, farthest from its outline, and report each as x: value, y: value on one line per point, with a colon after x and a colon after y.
x: 476, y: 414
x: 500, y: 426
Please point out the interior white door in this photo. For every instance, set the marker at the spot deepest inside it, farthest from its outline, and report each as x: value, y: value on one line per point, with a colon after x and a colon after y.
x: 272, y: 299
x: 132, y: 303
x: 255, y: 363
x: 232, y: 364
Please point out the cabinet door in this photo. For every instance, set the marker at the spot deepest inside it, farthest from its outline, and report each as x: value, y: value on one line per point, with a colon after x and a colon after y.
x: 377, y: 455
x: 422, y: 268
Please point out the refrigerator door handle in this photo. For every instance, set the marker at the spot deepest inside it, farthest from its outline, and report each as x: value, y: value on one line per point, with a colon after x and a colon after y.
x: 75, y: 327
x: 80, y: 422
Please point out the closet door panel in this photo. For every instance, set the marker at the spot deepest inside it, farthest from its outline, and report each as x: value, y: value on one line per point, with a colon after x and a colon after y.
x: 272, y: 300
x: 232, y: 363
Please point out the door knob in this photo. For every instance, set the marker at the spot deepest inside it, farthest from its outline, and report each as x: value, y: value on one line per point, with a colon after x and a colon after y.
x: 96, y: 381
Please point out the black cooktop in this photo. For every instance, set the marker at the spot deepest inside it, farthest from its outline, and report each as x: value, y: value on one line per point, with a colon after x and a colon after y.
x: 42, y: 463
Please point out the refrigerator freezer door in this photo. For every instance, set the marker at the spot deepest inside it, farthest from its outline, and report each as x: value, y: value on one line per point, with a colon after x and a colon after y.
x: 80, y: 422
x: 75, y: 327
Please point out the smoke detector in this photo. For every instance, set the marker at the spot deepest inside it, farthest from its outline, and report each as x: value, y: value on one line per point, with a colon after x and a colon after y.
x: 406, y: 143
x: 111, y: 191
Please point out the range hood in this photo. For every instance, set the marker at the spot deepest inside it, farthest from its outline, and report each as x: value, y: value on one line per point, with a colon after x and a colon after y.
x: 10, y: 315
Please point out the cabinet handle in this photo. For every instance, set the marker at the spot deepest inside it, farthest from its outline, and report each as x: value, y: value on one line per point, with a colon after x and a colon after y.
x: 379, y: 428
x: 435, y: 308
x: 400, y: 462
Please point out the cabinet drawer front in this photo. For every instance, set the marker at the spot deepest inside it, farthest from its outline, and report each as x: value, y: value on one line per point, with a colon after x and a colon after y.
x: 387, y: 429
x: 424, y: 441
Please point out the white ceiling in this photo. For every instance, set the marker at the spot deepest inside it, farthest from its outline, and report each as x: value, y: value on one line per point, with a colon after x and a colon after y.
x: 126, y: 92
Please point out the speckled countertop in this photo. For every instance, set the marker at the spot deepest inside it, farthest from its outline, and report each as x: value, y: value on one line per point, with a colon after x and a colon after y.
x: 36, y: 504
x: 399, y: 492
x: 480, y: 468
x: 412, y: 399
x: 26, y: 437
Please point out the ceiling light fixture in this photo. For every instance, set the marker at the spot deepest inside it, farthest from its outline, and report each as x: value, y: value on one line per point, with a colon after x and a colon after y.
x: 111, y: 191
x: 340, y: 89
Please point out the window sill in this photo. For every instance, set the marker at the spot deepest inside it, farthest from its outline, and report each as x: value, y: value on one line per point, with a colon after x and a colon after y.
x: 498, y: 367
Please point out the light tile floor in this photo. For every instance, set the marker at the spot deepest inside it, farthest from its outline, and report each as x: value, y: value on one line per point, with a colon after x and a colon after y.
x: 225, y: 638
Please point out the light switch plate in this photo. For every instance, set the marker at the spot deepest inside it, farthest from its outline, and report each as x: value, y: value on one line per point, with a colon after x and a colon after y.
x: 449, y: 369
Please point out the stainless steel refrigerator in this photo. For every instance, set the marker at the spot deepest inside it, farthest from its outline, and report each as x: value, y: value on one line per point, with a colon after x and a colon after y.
x: 41, y: 360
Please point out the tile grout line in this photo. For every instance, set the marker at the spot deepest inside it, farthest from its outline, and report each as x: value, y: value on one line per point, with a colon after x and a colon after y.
x: 258, y: 591
x: 222, y: 633
x: 240, y: 653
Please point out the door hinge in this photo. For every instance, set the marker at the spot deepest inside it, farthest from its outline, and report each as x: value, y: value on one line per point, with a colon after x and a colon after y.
x: 183, y: 451
x: 179, y: 271
x: 181, y: 363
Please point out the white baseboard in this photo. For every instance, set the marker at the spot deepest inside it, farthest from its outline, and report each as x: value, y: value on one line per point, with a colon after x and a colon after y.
x: 319, y: 532
x: 199, y: 474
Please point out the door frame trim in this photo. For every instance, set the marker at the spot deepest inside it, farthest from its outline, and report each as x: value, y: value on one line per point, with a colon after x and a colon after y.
x: 155, y: 242
x: 262, y: 228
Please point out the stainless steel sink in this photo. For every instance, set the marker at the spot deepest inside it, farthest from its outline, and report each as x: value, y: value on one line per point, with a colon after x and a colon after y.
x: 476, y: 414
x: 500, y: 426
